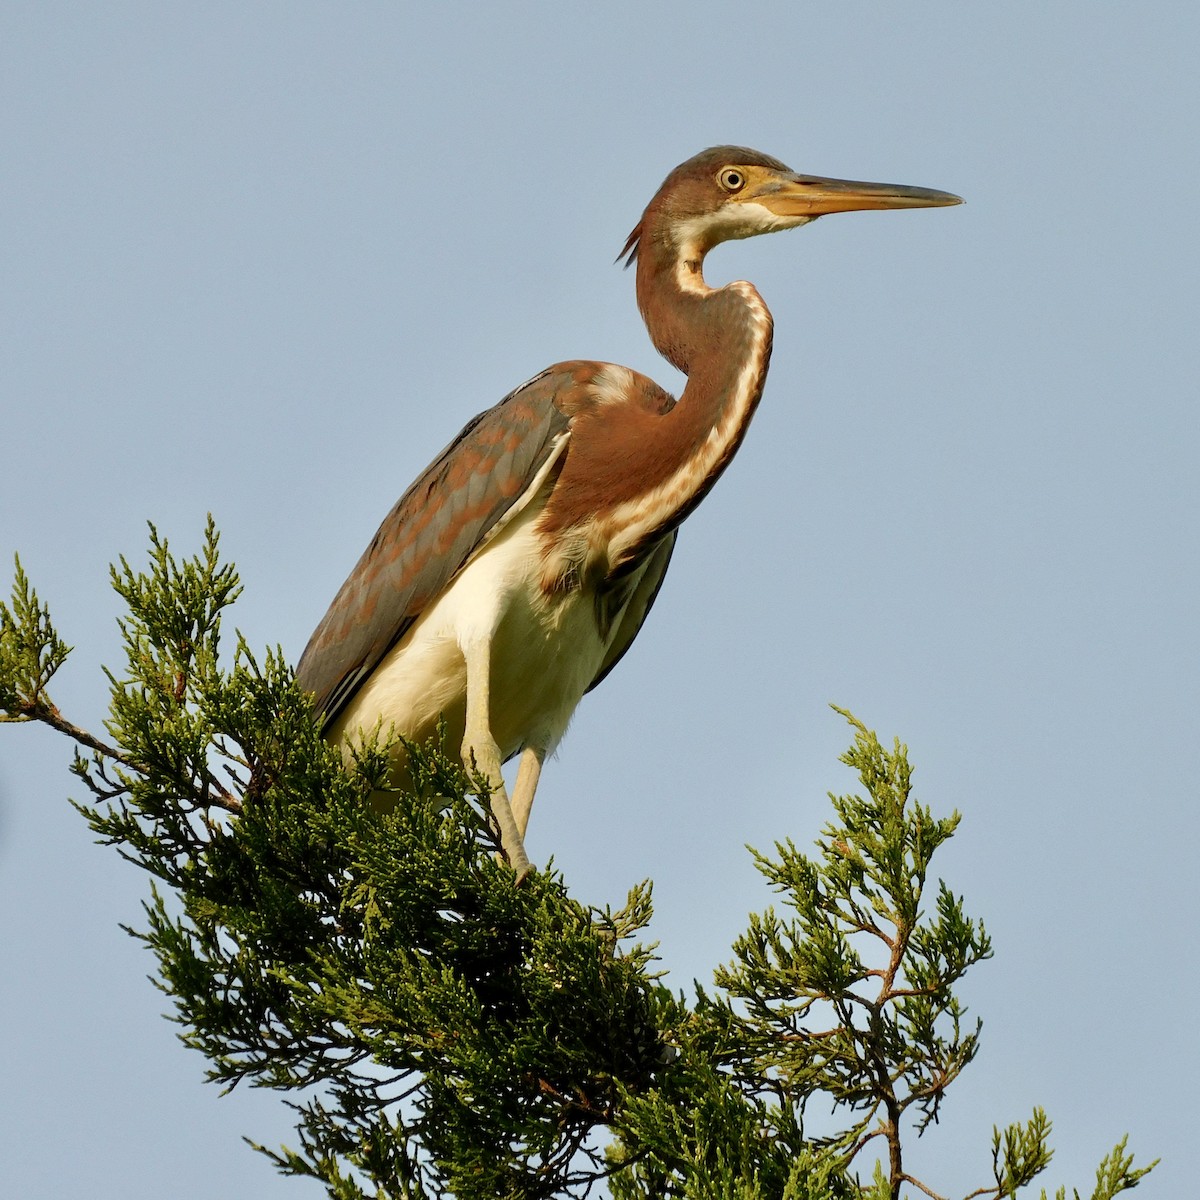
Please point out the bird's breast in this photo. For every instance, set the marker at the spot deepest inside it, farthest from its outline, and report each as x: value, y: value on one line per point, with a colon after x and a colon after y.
x: 547, y: 645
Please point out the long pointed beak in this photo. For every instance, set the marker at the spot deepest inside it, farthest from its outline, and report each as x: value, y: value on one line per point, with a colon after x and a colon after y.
x: 813, y: 196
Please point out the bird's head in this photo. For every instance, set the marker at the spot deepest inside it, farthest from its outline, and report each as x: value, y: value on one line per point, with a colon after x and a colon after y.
x: 730, y: 192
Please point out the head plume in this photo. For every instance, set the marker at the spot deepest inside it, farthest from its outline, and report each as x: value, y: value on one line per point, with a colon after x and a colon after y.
x: 628, y: 255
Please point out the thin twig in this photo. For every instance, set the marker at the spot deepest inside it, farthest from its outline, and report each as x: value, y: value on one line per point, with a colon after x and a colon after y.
x: 928, y: 1191
x: 862, y: 1141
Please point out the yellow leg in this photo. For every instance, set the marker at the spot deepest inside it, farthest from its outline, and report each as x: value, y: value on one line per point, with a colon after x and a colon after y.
x: 528, y: 774
x: 479, y: 750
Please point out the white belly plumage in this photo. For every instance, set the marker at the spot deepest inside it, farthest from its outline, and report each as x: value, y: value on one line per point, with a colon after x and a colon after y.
x: 545, y: 652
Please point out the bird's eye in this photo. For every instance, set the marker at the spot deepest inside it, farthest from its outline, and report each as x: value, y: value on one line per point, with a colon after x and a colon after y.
x: 731, y: 179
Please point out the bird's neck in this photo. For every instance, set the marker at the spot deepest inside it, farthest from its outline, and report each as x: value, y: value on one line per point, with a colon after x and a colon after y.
x: 721, y: 339
x: 710, y: 334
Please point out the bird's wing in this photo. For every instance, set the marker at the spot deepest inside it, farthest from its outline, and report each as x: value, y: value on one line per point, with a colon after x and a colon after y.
x: 639, y: 604
x: 432, y: 531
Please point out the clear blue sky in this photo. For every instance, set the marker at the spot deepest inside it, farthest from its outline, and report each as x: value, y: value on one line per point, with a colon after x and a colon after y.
x: 265, y: 259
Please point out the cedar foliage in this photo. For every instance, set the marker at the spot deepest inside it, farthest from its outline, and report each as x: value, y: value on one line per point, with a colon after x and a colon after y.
x: 441, y: 1031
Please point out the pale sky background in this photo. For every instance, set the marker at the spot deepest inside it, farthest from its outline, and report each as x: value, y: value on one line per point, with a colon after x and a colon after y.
x: 265, y: 260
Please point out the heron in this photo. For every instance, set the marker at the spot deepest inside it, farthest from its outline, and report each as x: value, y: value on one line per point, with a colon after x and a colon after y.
x: 515, y: 573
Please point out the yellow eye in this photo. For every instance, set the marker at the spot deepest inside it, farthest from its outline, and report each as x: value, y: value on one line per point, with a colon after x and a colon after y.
x: 732, y: 179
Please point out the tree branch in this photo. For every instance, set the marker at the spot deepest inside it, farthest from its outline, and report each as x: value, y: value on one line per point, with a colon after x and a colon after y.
x: 48, y: 714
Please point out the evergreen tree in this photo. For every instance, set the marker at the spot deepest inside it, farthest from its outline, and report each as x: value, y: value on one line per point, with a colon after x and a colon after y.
x: 443, y: 1031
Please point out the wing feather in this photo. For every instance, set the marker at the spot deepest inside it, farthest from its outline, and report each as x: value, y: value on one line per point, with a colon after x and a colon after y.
x: 434, y: 528
x: 639, y: 604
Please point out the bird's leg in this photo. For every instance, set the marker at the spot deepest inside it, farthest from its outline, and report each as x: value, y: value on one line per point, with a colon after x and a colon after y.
x: 480, y: 752
x: 528, y: 774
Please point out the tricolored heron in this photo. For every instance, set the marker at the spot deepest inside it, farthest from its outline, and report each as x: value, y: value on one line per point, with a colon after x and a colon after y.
x: 516, y: 571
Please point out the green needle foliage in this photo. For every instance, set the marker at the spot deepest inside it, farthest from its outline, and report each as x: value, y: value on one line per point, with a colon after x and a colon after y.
x: 441, y: 1031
